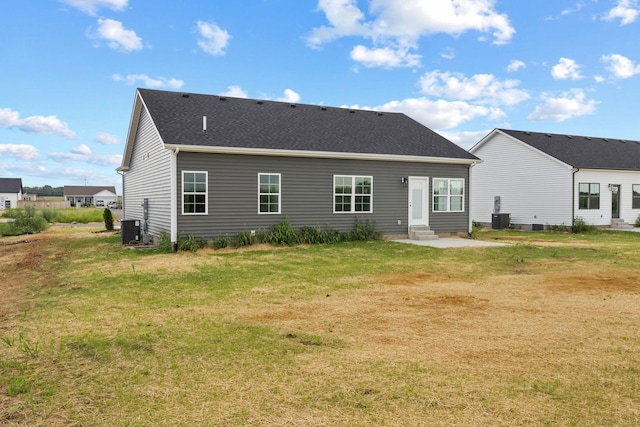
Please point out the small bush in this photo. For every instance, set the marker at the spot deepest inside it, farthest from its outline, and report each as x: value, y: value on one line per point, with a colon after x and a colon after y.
x: 26, y: 221
x: 49, y: 215
x: 245, y: 238
x: 164, y: 242
x: 638, y: 221
x: 220, y: 242
x: 364, y: 231
x: 581, y: 226
x: 283, y: 233
x: 189, y: 244
x: 108, y: 219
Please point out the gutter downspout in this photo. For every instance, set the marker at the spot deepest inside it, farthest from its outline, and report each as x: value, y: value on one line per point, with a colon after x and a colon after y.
x: 470, y: 225
x: 573, y: 196
x: 122, y: 175
x: 174, y: 198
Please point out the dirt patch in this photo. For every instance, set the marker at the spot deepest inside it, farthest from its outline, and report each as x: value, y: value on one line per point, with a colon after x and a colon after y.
x: 594, y: 281
x: 19, y: 256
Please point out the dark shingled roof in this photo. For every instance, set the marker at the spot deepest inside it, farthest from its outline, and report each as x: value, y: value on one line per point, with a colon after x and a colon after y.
x: 584, y: 151
x: 11, y: 185
x: 83, y: 190
x: 254, y: 124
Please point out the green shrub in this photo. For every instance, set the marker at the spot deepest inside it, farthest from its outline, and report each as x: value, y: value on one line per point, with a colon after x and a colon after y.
x: 189, y: 244
x: 49, y: 215
x: 283, y: 233
x: 364, y: 231
x: 581, y: 226
x: 108, y: 219
x: 164, y: 242
x: 245, y: 238
x: 220, y: 242
x: 638, y: 221
x: 26, y: 221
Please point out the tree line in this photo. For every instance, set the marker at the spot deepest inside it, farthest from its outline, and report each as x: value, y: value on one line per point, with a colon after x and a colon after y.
x: 43, y: 191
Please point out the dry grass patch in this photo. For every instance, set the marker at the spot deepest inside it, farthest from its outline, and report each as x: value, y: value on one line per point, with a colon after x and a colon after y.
x: 523, y: 335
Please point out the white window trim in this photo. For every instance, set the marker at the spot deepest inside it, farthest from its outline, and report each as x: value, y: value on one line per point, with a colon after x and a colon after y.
x: 353, y: 194
x: 279, y: 194
x: 206, y: 194
x: 448, y: 195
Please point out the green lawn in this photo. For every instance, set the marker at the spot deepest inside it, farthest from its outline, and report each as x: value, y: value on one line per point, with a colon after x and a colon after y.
x: 545, y: 331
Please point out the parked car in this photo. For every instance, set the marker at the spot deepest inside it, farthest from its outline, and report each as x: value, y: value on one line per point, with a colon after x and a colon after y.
x: 114, y: 205
x: 99, y: 203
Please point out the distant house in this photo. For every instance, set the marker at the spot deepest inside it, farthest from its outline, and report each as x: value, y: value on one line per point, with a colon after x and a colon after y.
x: 90, y: 195
x: 215, y: 166
x: 548, y: 179
x: 10, y: 192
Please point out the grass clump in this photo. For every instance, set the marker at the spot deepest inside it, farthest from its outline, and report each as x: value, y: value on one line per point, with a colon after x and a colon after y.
x: 581, y: 226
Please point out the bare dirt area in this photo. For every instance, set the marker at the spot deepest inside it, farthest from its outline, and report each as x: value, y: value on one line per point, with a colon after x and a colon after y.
x: 19, y: 256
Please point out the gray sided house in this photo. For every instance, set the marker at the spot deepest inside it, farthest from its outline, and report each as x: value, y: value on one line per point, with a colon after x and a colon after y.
x: 10, y: 192
x: 215, y: 166
x: 545, y: 179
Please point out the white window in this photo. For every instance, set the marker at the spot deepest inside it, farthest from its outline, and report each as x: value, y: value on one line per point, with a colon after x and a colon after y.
x: 448, y: 195
x: 194, y: 193
x: 269, y: 193
x: 352, y: 193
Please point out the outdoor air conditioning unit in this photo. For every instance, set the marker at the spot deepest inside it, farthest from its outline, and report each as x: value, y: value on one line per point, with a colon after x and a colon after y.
x: 130, y: 231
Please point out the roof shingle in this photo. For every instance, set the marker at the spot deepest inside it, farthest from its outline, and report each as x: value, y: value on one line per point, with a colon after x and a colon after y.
x: 254, y: 124
x: 584, y: 151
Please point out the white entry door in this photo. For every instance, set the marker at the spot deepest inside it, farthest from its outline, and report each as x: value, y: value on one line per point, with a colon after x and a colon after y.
x: 418, y: 201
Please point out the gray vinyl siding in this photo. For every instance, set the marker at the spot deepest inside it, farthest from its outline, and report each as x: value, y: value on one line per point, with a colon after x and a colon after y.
x: 307, y: 194
x: 148, y: 177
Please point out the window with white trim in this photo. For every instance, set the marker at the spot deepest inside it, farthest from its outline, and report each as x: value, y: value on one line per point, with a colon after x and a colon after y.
x: 448, y: 195
x: 194, y: 193
x: 269, y: 193
x: 352, y: 193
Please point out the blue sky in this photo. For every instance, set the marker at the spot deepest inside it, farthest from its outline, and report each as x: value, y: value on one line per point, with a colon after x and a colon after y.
x: 461, y: 67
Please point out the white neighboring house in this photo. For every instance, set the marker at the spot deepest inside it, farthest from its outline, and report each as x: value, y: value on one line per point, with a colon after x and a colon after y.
x: 99, y: 196
x: 10, y: 192
x: 544, y: 179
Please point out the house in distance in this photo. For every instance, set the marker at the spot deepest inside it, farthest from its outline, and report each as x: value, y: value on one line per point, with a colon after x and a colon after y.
x: 544, y: 179
x: 210, y: 166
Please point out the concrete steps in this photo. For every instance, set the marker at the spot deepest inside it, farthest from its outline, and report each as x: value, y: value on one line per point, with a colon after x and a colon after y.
x: 619, y: 224
x: 422, y: 232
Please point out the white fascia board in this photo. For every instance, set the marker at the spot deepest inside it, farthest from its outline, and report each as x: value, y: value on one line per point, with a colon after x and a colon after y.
x: 483, y: 140
x: 517, y: 141
x: 318, y: 154
x: 136, y: 113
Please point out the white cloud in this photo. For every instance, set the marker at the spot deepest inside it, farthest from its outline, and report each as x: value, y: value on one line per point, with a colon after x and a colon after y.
x: 236, y: 92
x: 515, y: 66
x: 150, y: 82
x: 620, y: 66
x: 448, y: 53
x: 386, y: 57
x: 82, y: 153
x: 483, y: 88
x: 20, y: 151
x: 81, y: 149
x: 116, y: 36
x: 290, y: 96
x: 626, y: 11
x: 438, y: 114
x: 91, y: 6
x: 213, y: 39
x: 465, y: 140
x: 569, y: 105
x: 566, y: 69
x: 43, y: 125
x: 105, y: 138
x: 408, y: 20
